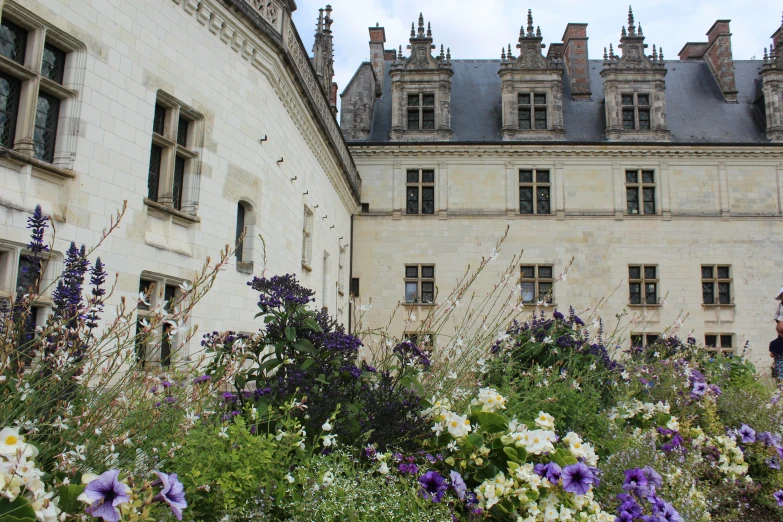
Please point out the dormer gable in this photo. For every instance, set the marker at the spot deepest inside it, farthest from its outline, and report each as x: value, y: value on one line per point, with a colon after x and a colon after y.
x: 634, y: 89
x: 531, y: 89
x: 772, y: 87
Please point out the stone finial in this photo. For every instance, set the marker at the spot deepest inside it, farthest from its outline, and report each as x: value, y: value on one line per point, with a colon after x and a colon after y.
x: 503, y: 54
x: 399, y: 54
x: 660, y: 53
x: 421, y: 25
x: 606, y: 56
x: 655, y: 51
x: 641, y: 33
x: 448, y: 54
x: 320, y: 23
x: 631, y: 26
x: 442, y: 56
x: 429, y: 30
x: 530, y: 23
x: 413, y: 31
x: 766, y: 56
x: 623, y: 33
x: 510, y: 57
x: 538, y: 32
x: 611, y: 52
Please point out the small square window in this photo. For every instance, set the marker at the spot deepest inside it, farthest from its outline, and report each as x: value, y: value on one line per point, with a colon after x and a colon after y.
x: 723, y: 272
x: 706, y: 272
x: 542, y: 176
x: 545, y: 272
x: 53, y: 63
x: 182, y: 132
x: 13, y: 41
x: 528, y: 272
x: 649, y: 272
x: 725, y: 341
x: 648, y: 176
x: 428, y: 176
x: 643, y: 99
x: 526, y: 176
x: 711, y: 340
x: 634, y: 272
x: 536, y: 283
x: 627, y: 99
x: 539, y: 99
x: 428, y: 100
x: 413, y: 100
x: 428, y: 272
x: 412, y: 271
x: 413, y: 176
x: 631, y: 176
x: 524, y: 99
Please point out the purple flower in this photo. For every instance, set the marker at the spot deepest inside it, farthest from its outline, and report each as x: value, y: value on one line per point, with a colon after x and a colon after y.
x: 635, y: 480
x: 773, y: 463
x: 433, y: 486
x: 173, y: 493
x: 558, y: 316
x: 779, y: 497
x: 411, y: 469
x: 669, y: 514
x: 201, y: 379
x: 458, y: 485
x: 652, y: 476
x: 106, y: 493
x: 747, y: 434
x: 699, y: 389
x: 551, y: 471
x: 624, y: 516
x: 577, y: 478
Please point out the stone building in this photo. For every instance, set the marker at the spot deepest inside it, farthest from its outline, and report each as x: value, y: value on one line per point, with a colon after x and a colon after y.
x: 663, y: 179
x: 206, y: 116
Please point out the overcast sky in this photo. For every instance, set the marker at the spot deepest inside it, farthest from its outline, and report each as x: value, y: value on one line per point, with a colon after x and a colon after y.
x: 479, y: 29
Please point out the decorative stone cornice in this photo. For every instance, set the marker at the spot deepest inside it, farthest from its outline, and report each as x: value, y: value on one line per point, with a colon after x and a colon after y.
x: 262, y: 32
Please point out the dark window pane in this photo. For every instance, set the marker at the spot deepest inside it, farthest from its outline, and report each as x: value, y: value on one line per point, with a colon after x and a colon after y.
x: 413, y: 119
x: 140, y: 343
x: 637, y: 341
x: 240, y: 230
x: 542, y: 176
x: 411, y: 292
x: 524, y: 118
x: 706, y: 272
x: 711, y: 340
x: 9, y: 106
x: 644, y: 119
x: 539, y: 99
x: 649, y: 272
x: 643, y: 99
x: 179, y: 182
x: 648, y: 176
x: 428, y: 119
x: 526, y: 176
x: 428, y: 176
x: 13, y: 41
x: 153, y: 176
x: 148, y: 288
x: 724, y: 293
x: 628, y: 119
x: 53, y: 63
x: 632, y: 195
x: 708, y: 293
x: 169, y: 295
x: 158, y: 119
x: 427, y: 292
x: 355, y: 286
x: 627, y: 99
x: 528, y: 292
x: 545, y: 291
x: 413, y: 200
x: 428, y: 100
x: 723, y: 272
x: 428, y: 272
x: 540, y: 118
x: 524, y: 99
x: 651, y: 293
x: 545, y: 272
x: 652, y: 339
x: 45, y: 133
x: 427, y: 200
x: 165, y: 345
x: 542, y: 200
x: 413, y: 176
x: 631, y: 176
x: 528, y: 272
x: 725, y: 341
x: 634, y: 272
x: 412, y: 272
x: 635, y: 293
x: 413, y: 100
x: 182, y: 132
x: 649, y: 200
x: 27, y: 275
x: 525, y: 200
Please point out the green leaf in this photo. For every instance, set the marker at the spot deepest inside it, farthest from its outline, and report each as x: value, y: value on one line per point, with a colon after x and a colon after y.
x: 492, y: 422
x: 512, y: 453
x: 19, y: 510
x: 68, y: 496
x: 558, y: 459
x: 322, y: 379
x: 476, y: 439
x: 313, y: 325
x: 290, y: 333
x: 306, y: 364
x: 303, y: 345
x: 487, y: 472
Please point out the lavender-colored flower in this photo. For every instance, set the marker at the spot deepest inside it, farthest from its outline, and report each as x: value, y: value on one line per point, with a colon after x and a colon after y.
x: 653, y: 477
x: 106, y: 493
x: 768, y: 438
x: 624, y: 516
x: 558, y: 316
x: 669, y: 514
x: 280, y: 292
x: 773, y: 463
x: 411, y: 469
x: 173, y: 493
x: 635, y: 480
x: 631, y: 507
x: 458, y: 485
x: 577, y: 478
x: 551, y: 471
x: 433, y: 486
x: 201, y: 379
x: 746, y: 434
x: 779, y: 497
x: 699, y: 389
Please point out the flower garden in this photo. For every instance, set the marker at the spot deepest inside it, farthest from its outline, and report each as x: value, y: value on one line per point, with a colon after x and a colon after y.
x: 520, y: 414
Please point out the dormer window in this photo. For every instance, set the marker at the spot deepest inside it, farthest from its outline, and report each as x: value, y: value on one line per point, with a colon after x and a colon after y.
x: 532, y: 111
x: 636, y: 111
x: 421, y: 111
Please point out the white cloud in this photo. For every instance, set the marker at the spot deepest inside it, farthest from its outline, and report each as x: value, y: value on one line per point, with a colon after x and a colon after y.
x: 480, y: 32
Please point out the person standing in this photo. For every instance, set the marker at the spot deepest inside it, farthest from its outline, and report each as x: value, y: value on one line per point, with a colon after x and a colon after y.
x: 776, y: 346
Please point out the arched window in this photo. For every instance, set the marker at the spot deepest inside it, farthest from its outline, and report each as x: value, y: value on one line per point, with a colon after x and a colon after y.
x: 240, y: 230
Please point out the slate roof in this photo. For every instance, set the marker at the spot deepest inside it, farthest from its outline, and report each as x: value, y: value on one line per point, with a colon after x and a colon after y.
x: 696, y: 111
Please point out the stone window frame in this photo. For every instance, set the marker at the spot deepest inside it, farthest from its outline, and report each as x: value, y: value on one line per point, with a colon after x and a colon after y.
x: 647, y: 338
x: 420, y: 110
x: 719, y: 342
x: 533, y: 104
x: 325, y: 287
x: 644, y: 280
x: 534, y: 184
x: 34, y: 84
x: 536, y: 279
x: 641, y: 186
x: 157, y: 295
x: 419, y: 186
x: 419, y: 280
x: 169, y: 114
x: 307, y: 239
x: 717, y: 278
x: 637, y: 108
x: 341, y: 271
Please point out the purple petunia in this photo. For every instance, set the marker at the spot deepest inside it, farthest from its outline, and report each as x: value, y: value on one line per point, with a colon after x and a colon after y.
x: 653, y: 477
x: 173, y: 493
x: 411, y: 469
x: 458, y: 485
x: 699, y: 389
x: 106, y: 492
x: 635, y: 480
x: 577, y: 478
x: 779, y: 497
x: 746, y: 434
x: 433, y: 486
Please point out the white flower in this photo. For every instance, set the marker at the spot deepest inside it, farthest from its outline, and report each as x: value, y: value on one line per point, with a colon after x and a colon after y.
x: 383, y: 469
x: 326, y: 426
x: 673, y: 424
x: 224, y: 432
x: 290, y: 478
x: 143, y: 299
x: 452, y: 446
x: 186, y: 286
x: 437, y: 429
x: 328, y: 440
x: 547, y: 340
x: 545, y: 421
x: 490, y: 400
x: 327, y: 479
x: 280, y: 435
x: 458, y: 426
x: 11, y: 443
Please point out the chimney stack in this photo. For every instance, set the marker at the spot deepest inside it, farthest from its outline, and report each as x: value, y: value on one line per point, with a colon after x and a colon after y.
x: 575, y: 60
x: 693, y: 51
x: 716, y: 51
x: 377, y: 56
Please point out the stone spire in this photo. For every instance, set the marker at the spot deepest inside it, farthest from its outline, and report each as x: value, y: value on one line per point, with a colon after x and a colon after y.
x: 421, y: 47
x: 323, y: 54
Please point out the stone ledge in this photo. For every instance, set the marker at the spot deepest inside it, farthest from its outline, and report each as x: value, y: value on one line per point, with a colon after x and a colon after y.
x: 172, y: 211
x: 245, y: 267
x: 24, y: 159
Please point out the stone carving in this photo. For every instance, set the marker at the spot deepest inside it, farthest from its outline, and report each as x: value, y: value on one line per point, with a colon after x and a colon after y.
x: 772, y: 87
x: 268, y: 10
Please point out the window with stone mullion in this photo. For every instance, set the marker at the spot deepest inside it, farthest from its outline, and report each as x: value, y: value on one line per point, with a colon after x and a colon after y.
x: 421, y: 111
x: 536, y: 283
x: 640, y: 192
x: 716, y: 277
x: 636, y: 111
x: 419, y: 284
x: 9, y: 108
x: 643, y: 284
x: 532, y: 110
x: 420, y: 192
x: 534, y: 192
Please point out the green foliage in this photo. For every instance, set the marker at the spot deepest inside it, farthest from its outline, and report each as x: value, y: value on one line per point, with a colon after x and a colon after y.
x: 19, y: 510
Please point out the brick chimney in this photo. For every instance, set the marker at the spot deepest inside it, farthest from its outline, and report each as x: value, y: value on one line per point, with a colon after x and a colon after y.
x: 377, y: 56
x: 576, y: 61
x: 693, y: 51
x: 718, y: 56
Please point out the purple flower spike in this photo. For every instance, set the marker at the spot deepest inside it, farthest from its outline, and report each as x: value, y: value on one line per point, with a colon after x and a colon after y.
x: 577, y: 478
x: 106, y: 493
x: 433, y: 486
x: 173, y: 493
x: 458, y: 485
x: 747, y: 434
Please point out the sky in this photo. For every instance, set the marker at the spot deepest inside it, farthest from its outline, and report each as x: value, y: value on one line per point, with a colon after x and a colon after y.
x: 479, y: 29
